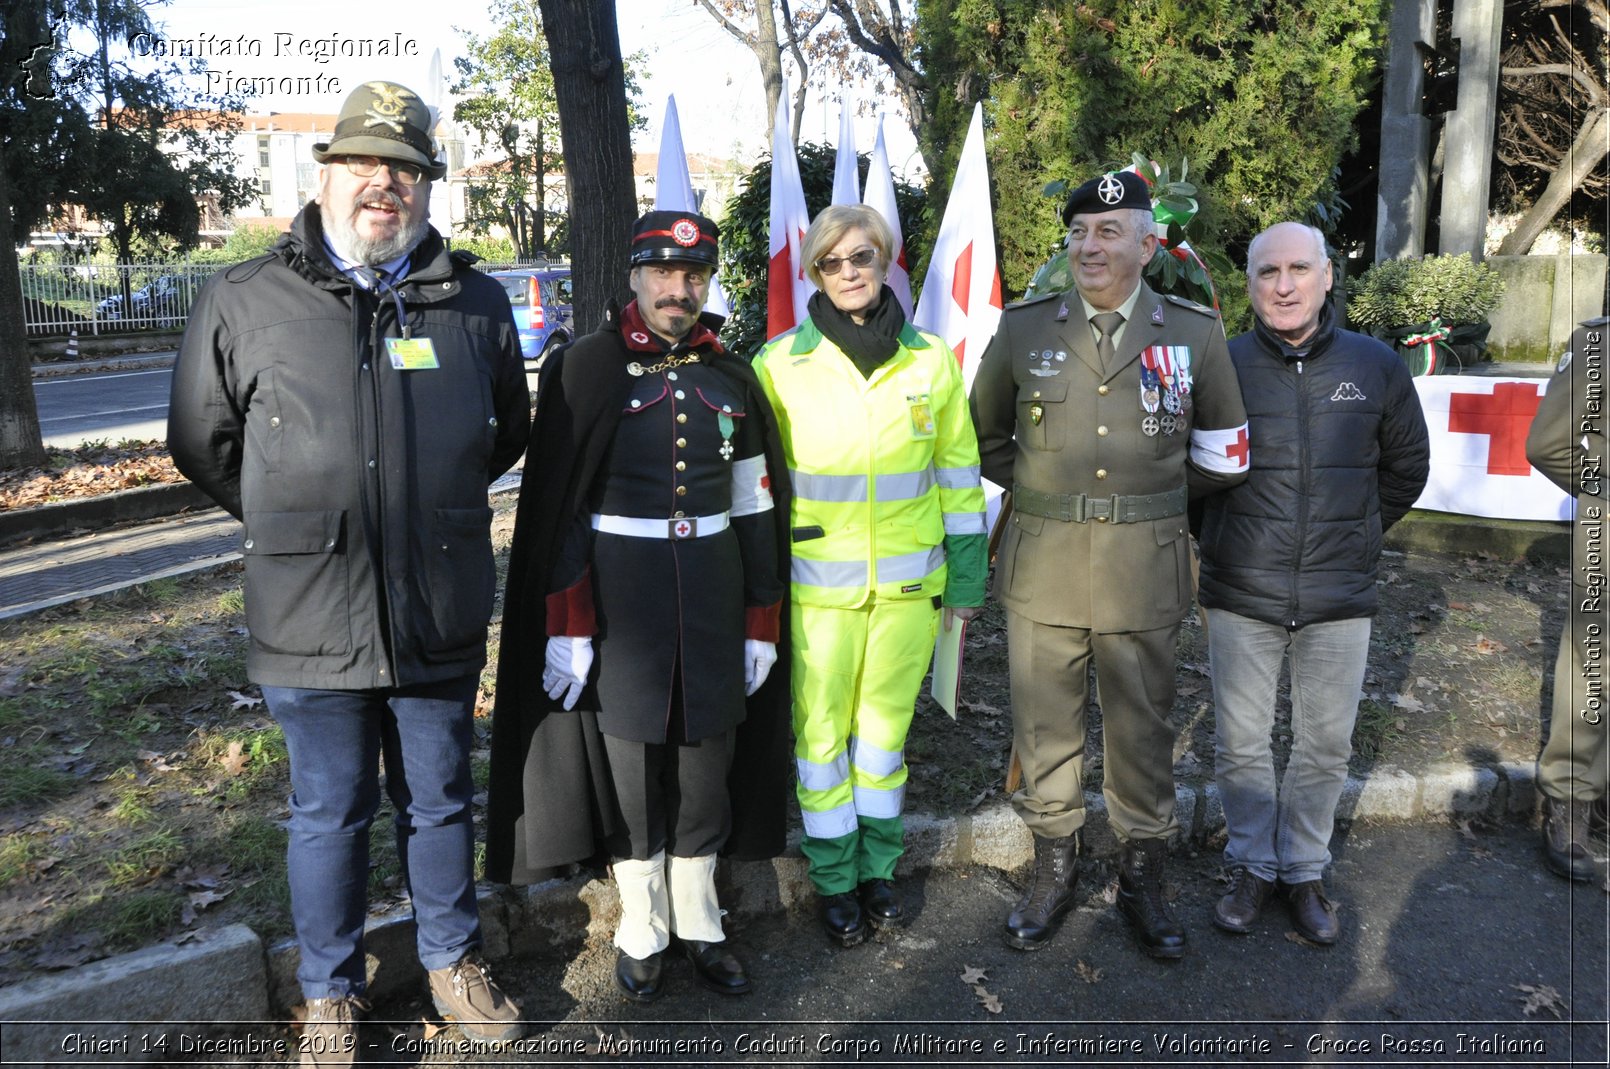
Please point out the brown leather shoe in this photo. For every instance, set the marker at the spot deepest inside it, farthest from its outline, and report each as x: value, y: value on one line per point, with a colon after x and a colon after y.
x: 1238, y: 910
x: 1141, y: 901
x: 1049, y: 896
x: 1312, y: 914
x: 1565, y: 838
x: 330, y: 1032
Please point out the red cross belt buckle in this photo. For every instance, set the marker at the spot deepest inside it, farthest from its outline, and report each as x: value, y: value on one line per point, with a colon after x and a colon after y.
x: 684, y: 527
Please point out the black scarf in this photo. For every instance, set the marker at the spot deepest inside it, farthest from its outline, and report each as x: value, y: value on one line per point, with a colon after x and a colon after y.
x: 867, y: 344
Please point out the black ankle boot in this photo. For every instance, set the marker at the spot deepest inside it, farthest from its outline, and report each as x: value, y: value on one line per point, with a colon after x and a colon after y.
x: 1140, y: 899
x: 639, y: 978
x: 1038, y: 914
x: 842, y: 919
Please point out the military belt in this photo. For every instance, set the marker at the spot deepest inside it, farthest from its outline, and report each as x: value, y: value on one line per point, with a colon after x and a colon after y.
x: 1082, y: 508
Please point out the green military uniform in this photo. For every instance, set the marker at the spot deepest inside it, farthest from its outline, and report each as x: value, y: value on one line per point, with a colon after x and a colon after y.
x: 1566, y: 444
x: 1096, y: 559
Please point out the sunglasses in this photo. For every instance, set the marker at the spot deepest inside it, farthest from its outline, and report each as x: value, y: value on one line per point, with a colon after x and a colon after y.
x: 408, y: 174
x: 831, y: 265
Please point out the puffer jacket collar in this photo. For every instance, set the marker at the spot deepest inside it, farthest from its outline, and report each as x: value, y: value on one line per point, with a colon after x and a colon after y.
x: 1324, y: 335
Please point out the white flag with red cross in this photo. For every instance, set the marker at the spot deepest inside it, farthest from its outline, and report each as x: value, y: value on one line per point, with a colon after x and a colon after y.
x: 879, y: 196
x: 787, y: 288
x: 961, y: 294
x: 673, y: 191
x: 1478, y: 449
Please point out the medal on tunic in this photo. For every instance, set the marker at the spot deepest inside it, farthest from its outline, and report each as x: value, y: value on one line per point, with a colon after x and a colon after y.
x: 1149, y: 396
x: 634, y: 369
x: 724, y: 423
x: 1171, y: 401
x: 1170, y: 424
x: 1036, y: 413
x: 1148, y: 426
x: 1182, y: 360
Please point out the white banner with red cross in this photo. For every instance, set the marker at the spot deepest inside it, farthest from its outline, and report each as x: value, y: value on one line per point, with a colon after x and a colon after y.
x: 1478, y: 449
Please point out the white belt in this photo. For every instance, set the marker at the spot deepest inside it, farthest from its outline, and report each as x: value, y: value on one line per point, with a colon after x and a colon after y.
x: 677, y: 528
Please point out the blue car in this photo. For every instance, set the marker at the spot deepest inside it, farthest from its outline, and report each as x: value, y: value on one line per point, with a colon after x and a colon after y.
x: 540, y: 297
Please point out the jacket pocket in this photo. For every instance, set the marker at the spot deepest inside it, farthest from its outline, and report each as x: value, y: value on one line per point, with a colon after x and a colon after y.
x: 1042, y: 415
x: 459, y: 580
x: 297, y: 600
x: 1173, y: 542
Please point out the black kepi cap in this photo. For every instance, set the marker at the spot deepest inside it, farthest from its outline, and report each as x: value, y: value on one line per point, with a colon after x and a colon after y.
x: 661, y: 235
x: 1109, y: 192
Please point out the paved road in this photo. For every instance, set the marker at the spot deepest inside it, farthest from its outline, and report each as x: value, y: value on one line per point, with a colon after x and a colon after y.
x: 114, y: 406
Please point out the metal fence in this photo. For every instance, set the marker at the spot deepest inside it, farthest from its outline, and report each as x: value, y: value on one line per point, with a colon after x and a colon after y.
x: 92, y: 299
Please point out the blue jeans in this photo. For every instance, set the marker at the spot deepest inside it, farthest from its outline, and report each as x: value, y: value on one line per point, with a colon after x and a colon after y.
x: 336, y: 739
x: 1283, y: 832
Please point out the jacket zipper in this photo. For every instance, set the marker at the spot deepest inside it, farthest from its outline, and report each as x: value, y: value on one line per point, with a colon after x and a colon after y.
x: 1302, y: 495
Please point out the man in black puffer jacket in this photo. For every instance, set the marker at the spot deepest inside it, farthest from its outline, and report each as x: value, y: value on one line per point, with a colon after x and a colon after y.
x: 1289, y: 562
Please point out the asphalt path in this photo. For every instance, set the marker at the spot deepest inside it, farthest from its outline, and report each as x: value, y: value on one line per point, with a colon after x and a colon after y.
x: 114, y: 406
x: 1449, y: 933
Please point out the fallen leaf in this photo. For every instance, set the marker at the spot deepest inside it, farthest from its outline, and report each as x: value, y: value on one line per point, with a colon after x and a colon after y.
x: 235, y: 760
x: 432, y: 1028
x: 1459, y: 605
x: 243, y: 701
x: 972, y: 974
x: 1488, y: 646
x: 1293, y: 937
x: 69, y: 952
x: 1087, y: 973
x: 987, y: 1000
x: 1409, y: 704
x: 1540, y: 997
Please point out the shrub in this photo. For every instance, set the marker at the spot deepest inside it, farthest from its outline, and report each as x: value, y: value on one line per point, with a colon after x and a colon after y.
x: 1398, y: 293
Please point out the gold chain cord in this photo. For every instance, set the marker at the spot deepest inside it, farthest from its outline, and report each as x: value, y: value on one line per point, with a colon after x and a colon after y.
x: 675, y: 360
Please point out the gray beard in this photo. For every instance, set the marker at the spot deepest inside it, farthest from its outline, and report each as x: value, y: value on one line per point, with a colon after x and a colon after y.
x: 372, y: 252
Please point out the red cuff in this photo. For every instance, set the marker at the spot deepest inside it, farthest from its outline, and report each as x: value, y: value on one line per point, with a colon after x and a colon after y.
x: 570, y: 611
x: 761, y: 622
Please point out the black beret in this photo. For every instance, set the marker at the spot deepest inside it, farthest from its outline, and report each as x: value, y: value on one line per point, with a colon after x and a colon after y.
x: 674, y: 236
x: 1113, y: 190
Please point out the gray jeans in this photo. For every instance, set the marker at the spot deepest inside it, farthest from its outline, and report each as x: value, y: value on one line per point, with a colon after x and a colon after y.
x: 1283, y: 831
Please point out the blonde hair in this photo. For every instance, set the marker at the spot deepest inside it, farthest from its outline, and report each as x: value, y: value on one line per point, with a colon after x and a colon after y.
x: 829, y: 228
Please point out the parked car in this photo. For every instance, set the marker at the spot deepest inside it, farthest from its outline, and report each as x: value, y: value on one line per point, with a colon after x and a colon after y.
x: 541, y: 300
x: 160, y: 302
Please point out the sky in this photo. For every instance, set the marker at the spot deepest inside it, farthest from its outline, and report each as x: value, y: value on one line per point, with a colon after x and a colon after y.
x: 714, y: 78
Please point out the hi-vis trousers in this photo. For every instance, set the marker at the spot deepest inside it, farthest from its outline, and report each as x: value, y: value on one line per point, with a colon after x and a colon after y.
x: 855, y: 678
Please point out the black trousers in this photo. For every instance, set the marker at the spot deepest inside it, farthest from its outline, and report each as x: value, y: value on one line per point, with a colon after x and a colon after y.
x: 672, y: 796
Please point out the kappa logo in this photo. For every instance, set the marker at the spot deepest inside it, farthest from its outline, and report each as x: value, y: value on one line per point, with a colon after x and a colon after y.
x: 1348, y: 392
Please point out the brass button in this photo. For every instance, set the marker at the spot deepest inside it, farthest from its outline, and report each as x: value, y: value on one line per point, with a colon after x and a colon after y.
x: 681, y: 465
x: 681, y: 443
x: 1103, y: 390
x: 1036, y: 393
x: 681, y: 417
x: 1101, y: 473
x: 677, y: 515
x: 1101, y: 519
x: 1102, y: 431
x: 681, y: 491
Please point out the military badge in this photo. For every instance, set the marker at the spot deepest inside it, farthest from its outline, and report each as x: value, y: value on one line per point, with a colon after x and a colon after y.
x: 1036, y: 413
x: 1149, y: 426
x: 1170, y: 424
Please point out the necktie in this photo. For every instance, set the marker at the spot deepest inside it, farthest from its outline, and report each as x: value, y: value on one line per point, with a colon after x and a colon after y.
x: 1108, y: 323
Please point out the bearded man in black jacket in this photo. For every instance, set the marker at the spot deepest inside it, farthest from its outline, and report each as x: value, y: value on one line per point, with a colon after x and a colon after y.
x: 1289, y: 561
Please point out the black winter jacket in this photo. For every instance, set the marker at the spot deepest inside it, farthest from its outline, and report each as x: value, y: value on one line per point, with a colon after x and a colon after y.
x: 1339, y: 453
x: 362, y: 487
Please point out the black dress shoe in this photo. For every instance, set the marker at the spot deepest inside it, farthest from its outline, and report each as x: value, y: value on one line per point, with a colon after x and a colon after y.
x: 841, y: 917
x: 717, y: 969
x: 881, y: 904
x: 639, y: 978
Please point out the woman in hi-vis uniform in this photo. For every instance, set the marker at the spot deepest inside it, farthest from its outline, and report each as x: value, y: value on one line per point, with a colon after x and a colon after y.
x: 887, y: 528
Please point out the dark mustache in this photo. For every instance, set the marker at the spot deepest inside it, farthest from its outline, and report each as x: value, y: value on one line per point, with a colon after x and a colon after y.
x: 675, y: 302
x: 393, y: 201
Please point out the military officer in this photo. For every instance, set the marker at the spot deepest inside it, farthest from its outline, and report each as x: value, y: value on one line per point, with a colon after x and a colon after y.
x: 1566, y: 444
x: 1101, y: 409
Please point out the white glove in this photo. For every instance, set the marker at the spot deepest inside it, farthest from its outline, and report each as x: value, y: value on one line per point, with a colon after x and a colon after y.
x: 758, y: 659
x: 569, y: 659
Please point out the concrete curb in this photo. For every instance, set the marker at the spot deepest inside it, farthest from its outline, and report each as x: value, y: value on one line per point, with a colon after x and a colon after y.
x: 59, y: 519
x: 229, y: 976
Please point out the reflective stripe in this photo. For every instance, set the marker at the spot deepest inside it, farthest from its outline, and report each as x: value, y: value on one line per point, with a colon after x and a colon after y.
x: 840, y: 820
x: 871, y: 802
x: 910, y: 566
x: 964, y: 523
x: 815, y: 776
x: 837, y: 573
x: 960, y: 478
x: 751, y: 490
x: 905, y: 485
x: 873, y: 760
x: 844, y: 488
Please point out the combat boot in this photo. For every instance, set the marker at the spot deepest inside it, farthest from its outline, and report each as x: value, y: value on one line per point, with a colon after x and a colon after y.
x: 1140, y: 898
x: 1565, y: 838
x: 1038, y: 914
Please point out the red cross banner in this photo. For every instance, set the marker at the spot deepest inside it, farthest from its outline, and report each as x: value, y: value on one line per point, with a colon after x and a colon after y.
x: 1478, y: 449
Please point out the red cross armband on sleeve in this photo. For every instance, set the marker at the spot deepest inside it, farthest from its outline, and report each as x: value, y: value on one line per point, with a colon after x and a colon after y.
x: 1224, y: 451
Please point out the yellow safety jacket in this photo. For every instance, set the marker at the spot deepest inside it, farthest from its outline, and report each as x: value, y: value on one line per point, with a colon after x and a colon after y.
x: 888, y: 501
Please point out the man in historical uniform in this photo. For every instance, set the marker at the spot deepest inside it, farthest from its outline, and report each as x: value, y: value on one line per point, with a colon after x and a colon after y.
x: 1102, y: 409
x: 645, y: 588
x: 1567, y: 445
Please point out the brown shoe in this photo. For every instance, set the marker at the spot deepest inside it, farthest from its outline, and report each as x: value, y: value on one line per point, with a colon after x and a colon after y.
x: 1238, y: 910
x: 1312, y: 914
x: 1565, y: 838
x: 466, y: 995
x: 330, y: 1031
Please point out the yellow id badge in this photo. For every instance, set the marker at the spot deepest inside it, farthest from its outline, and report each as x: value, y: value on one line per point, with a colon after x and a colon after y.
x: 922, y: 416
x: 411, y: 354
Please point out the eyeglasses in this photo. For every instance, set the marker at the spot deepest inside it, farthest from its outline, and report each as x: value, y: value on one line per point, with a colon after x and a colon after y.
x: 408, y: 174
x: 831, y: 265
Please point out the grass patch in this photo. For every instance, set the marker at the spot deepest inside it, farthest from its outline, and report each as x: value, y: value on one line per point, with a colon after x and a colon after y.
x: 17, y: 852
x: 23, y: 779
x: 232, y: 602
x: 145, y: 858
x: 127, y: 920
x: 251, y: 845
x: 1378, y: 725
x: 131, y: 808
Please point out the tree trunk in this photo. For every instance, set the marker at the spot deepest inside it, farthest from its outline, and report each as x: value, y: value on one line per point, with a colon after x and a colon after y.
x: 590, y: 84
x: 20, y: 442
x: 1587, y: 152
